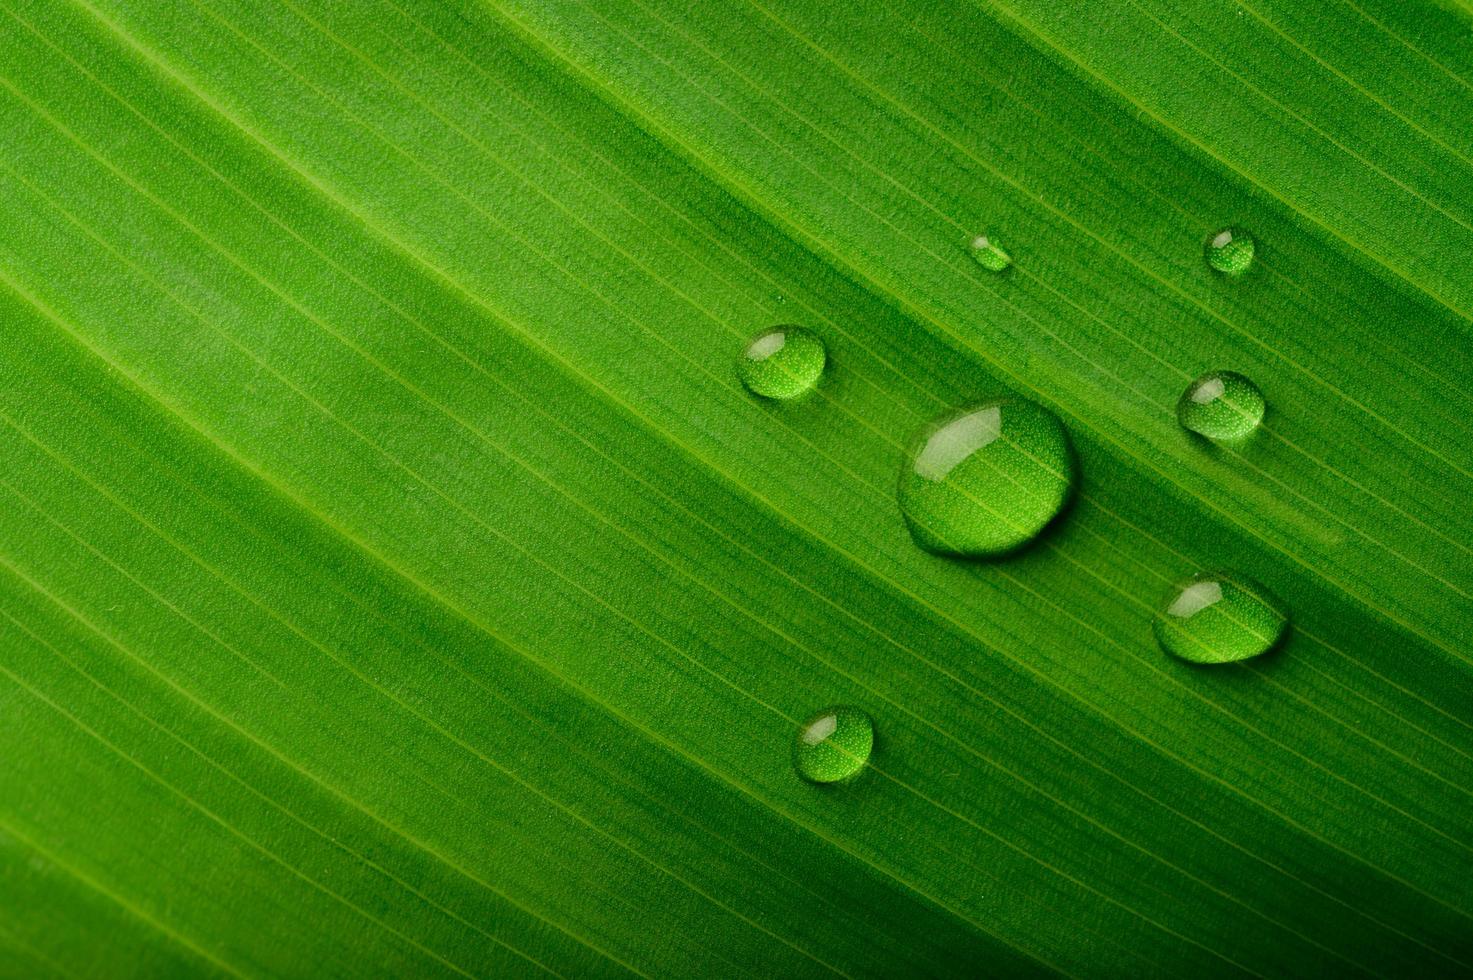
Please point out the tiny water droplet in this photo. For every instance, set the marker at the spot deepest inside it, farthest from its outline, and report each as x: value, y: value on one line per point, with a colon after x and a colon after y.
x: 988, y: 255
x: 1221, y: 405
x: 1219, y: 617
x: 782, y: 363
x: 1230, y: 251
x: 988, y: 479
x: 833, y: 745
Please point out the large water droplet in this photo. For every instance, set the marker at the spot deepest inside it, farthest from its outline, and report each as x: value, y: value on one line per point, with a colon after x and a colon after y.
x: 1219, y: 617
x: 988, y: 255
x: 986, y: 480
x: 1230, y: 251
x: 782, y: 363
x: 833, y: 745
x: 1221, y: 405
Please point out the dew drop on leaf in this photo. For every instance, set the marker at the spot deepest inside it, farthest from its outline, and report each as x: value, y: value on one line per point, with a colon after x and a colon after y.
x: 1230, y: 251
x: 988, y: 255
x: 782, y: 363
x: 986, y: 480
x: 1221, y: 405
x: 833, y: 745
x: 1219, y: 617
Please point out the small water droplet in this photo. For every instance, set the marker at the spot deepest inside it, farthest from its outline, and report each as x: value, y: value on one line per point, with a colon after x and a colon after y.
x: 1230, y: 251
x: 1221, y: 405
x: 988, y: 255
x: 1219, y: 617
x: 782, y: 363
x: 988, y: 479
x: 833, y: 745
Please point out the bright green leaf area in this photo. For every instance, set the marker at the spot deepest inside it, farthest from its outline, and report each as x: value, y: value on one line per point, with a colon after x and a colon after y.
x: 396, y: 579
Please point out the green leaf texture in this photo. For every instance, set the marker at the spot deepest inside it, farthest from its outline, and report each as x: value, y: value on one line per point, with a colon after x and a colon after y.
x: 396, y: 579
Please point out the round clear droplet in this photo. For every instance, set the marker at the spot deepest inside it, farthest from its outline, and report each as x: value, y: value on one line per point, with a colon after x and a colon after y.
x: 1230, y: 251
x: 989, y: 255
x: 782, y: 363
x: 986, y: 480
x: 1222, y: 405
x: 833, y: 745
x: 1219, y: 617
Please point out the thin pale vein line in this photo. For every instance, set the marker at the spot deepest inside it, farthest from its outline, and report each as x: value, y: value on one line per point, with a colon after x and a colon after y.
x: 185, y: 797
x: 190, y: 746
x: 1129, y: 178
x: 1033, y: 30
x: 27, y: 948
x: 1356, y: 86
x: 1410, y: 46
x: 8, y: 829
x: 1207, y: 56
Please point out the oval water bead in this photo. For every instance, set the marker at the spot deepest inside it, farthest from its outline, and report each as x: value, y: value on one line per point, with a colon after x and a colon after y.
x: 782, y: 363
x: 1218, y: 618
x: 1221, y: 405
x: 986, y: 480
x: 988, y: 255
x: 834, y: 745
x: 1230, y: 251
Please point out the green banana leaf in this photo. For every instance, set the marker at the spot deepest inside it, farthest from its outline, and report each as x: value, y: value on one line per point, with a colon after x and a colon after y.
x: 397, y: 580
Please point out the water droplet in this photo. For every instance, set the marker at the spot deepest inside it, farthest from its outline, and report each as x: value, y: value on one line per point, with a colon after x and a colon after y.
x: 1221, y: 405
x: 988, y: 255
x: 834, y: 745
x: 1219, y: 617
x: 986, y: 480
x: 1230, y: 251
x: 782, y: 363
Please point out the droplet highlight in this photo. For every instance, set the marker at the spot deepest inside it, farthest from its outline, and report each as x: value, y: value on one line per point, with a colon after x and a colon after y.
x: 782, y: 363
x: 834, y: 745
x: 1219, y: 617
x: 988, y: 255
x: 1221, y: 405
x: 1230, y: 251
x: 986, y: 480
